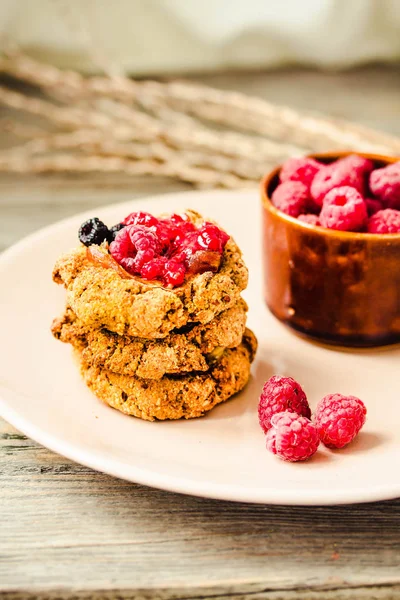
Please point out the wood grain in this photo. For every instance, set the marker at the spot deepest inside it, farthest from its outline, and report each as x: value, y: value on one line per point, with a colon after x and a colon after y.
x: 69, y: 532
x: 64, y: 523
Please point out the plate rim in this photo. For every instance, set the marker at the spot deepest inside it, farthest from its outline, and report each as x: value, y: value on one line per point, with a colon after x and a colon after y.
x: 157, y: 480
x: 150, y: 477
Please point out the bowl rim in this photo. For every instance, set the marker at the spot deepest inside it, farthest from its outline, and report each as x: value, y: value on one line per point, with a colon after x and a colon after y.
x: 317, y: 229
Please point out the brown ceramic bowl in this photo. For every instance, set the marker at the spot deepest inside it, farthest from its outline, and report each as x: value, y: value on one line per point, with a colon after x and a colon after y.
x: 337, y: 287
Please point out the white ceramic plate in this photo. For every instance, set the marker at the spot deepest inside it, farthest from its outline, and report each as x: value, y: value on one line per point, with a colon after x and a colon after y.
x: 223, y: 454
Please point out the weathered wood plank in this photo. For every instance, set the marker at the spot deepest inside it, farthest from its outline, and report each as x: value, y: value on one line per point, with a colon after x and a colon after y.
x: 64, y: 523
x: 383, y: 592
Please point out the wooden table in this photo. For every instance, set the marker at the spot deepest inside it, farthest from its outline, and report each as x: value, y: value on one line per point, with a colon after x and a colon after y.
x: 69, y: 532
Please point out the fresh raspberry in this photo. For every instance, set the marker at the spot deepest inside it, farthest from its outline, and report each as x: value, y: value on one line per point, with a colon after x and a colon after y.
x: 385, y: 221
x: 343, y: 209
x: 291, y: 197
x: 210, y: 237
x: 154, y: 269
x: 166, y: 249
x: 174, y: 229
x: 281, y: 394
x: 174, y: 273
x: 140, y: 218
x: 350, y: 171
x: 270, y: 439
x: 358, y: 163
x: 310, y: 219
x: 338, y: 419
x: 373, y: 206
x: 134, y: 246
x: 300, y: 169
x: 385, y: 185
x: 292, y: 437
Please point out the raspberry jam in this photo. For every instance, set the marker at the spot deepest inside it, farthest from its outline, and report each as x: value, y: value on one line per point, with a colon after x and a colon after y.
x: 167, y: 249
x: 99, y: 256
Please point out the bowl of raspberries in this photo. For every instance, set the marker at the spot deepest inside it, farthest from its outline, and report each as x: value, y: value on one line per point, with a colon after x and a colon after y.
x: 331, y: 247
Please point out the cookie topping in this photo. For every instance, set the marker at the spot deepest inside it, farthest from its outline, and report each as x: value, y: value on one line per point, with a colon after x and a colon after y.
x: 114, y: 230
x: 163, y: 249
x: 140, y: 218
x: 93, y: 231
x: 98, y: 255
x: 134, y: 246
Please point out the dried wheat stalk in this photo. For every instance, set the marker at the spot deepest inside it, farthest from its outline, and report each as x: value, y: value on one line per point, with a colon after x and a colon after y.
x: 68, y: 163
x: 89, y: 141
x: 127, y: 124
x: 230, y: 108
x: 148, y: 127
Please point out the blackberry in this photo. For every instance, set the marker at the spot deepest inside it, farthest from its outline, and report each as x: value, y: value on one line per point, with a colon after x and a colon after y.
x: 93, y: 231
x: 114, y: 230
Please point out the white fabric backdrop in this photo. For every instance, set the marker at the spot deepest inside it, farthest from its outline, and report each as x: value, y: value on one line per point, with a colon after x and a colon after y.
x: 156, y: 36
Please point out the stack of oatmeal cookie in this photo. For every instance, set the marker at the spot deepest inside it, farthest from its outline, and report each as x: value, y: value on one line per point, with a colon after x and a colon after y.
x: 153, y: 351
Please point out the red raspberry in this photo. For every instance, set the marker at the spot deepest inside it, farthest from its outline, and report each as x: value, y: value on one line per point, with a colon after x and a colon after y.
x: 270, y: 438
x: 310, y: 219
x: 385, y: 185
x: 300, y: 169
x: 167, y: 249
x: 281, y: 394
x: 174, y: 273
x: 373, y: 206
x: 174, y: 229
x: 140, y: 218
x: 210, y: 237
x: 338, y: 419
x: 154, y: 269
x: 385, y: 221
x: 134, y: 246
x: 343, y: 209
x: 291, y: 197
x: 350, y: 171
x: 292, y: 437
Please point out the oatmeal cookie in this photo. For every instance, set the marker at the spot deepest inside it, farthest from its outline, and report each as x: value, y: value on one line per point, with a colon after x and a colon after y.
x: 189, y: 350
x: 174, y: 397
x: 100, y: 297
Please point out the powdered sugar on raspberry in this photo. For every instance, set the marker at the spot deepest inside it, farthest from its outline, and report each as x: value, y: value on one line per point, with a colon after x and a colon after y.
x: 292, y: 198
x: 343, y: 209
x: 293, y: 437
x: 385, y: 185
x: 338, y: 419
x: 140, y: 218
x: 385, y: 221
x: 134, y: 246
x: 351, y: 171
x: 270, y: 440
x: 310, y: 219
x: 300, y: 169
x: 281, y: 394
